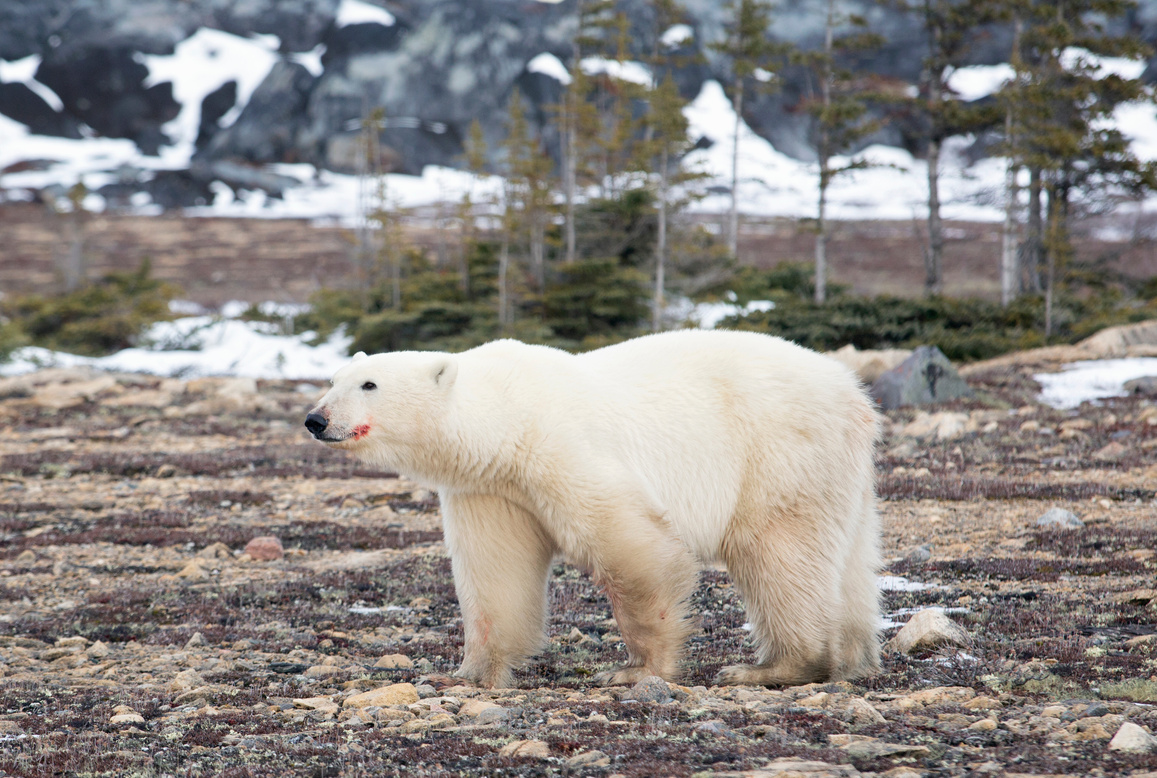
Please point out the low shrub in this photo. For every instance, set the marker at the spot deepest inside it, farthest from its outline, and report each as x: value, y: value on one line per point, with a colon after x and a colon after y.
x: 97, y: 319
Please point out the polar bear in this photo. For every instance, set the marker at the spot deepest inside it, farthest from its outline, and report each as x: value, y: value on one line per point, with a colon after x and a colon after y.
x: 638, y: 462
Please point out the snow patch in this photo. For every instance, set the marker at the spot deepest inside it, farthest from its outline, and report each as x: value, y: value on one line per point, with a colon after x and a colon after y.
x: 549, y: 65
x: 676, y: 35
x: 1092, y: 380
x: 358, y: 12
x: 206, y: 346
x: 200, y: 64
x: 977, y: 81
x: 635, y: 72
x: 897, y: 583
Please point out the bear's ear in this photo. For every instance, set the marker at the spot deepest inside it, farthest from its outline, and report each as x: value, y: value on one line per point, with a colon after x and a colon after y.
x: 359, y: 355
x: 445, y: 371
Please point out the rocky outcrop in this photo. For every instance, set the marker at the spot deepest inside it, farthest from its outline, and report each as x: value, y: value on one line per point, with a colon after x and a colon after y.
x: 440, y: 65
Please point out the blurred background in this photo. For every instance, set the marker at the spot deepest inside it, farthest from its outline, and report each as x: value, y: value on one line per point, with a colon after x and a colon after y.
x: 262, y: 187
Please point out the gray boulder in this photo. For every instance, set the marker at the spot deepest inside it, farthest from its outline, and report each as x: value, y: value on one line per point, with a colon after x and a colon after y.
x: 925, y: 378
x: 267, y: 129
x: 1145, y: 386
x: 1059, y: 518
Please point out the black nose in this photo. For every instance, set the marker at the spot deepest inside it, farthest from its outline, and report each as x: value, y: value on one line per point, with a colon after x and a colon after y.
x: 316, y: 423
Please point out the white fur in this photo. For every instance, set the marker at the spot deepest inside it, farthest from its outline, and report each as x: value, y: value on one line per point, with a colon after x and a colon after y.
x: 637, y: 462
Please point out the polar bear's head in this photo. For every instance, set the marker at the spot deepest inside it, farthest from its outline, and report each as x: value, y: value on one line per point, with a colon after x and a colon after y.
x: 383, y: 406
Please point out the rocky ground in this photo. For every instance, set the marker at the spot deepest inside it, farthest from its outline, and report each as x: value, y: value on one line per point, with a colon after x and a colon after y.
x: 142, y: 633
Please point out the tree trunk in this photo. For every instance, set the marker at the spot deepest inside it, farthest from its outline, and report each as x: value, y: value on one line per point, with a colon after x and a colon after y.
x: 1034, y: 238
x: 1009, y: 267
x: 1051, y: 247
x: 660, y: 247
x: 733, y: 214
x: 396, y: 277
x: 538, y: 248
x: 823, y: 152
x: 933, y: 276
x: 1011, y: 283
x: 503, y: 267
x: 72, y: 268
x: 822, y: 239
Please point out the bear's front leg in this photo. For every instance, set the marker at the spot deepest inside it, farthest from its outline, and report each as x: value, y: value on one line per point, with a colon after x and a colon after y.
x: 648, y: 575
x: 501, y: 559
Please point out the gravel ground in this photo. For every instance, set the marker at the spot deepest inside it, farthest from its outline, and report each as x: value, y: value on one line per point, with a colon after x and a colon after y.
x: 138, y: 637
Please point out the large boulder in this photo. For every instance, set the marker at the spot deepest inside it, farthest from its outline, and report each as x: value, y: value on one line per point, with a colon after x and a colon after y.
x: 267, y: 129
x: 927, y: 377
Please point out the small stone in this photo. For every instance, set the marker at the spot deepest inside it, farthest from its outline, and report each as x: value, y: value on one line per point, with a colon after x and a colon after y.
x: 395, y: 694
x: 265, y: 548
x: 985, y: 703
x: 193, y: 572
x: 589, y: 759
x: 321, y: 671
x: 1053, y: 711
x: 98, y: 650
x: 575, y: 636
x: 819, y: 700
x: 651, y: 689
x: 864, y: 712
x: 421, y: 603
x: 794, y: 767
x: 206, y: 695
x: 924, y: 378
x: 394, y: 662
x: 984, y: 725
x: 873, y: 749
x: 1059, y: 518
x: 123, y: 714
x: 76, y: 643
x: 197, y: 640
x: 26, y: 557
x: 187, y: 680
x: 946, y: 425
x: 534, y: 749
x: 920, y: 554
x: 928, y: 628
x: 1111, y: 452
x: 215, y: 551
x: 166, y: 471
x: 1133, y: 739
x: 425, y: 690
x: 324, y: 705
x: 481, y: 712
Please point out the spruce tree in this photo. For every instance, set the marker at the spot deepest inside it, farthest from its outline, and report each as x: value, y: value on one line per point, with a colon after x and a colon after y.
x: 950, y: 28
x: 1063, y: 105
x: 578, y: 120
x: 838, y: 103
x: 750, y: 53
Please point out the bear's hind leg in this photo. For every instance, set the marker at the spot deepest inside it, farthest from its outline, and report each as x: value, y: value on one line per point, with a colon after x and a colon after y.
x: 648, y: 575
x: 501, y: 559
x: 858, y: 652
x: 790, y: 590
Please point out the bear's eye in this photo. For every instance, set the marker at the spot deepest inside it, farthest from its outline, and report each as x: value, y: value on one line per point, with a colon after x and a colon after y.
x: 369, y: 386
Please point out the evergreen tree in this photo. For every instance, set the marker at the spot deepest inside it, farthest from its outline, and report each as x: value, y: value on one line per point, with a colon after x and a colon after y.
x: 1062, y: 105
x: 950, y: 27
x: 838, y: 103
x: 475, y: 158
x: 578, y: 120
x: 665, y: 140
x: 754, y: 59
x: 668, y: 143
